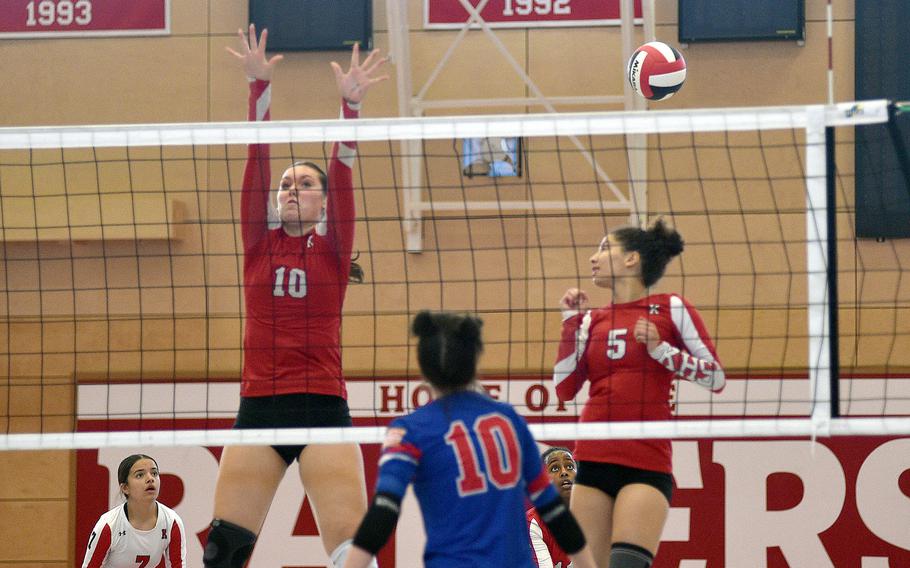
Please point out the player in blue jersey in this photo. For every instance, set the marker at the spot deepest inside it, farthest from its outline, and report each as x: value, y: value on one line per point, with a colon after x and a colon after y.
x: 473, y: 463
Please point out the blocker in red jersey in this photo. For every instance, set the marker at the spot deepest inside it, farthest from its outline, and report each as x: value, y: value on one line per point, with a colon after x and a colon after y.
x: 656, y: 71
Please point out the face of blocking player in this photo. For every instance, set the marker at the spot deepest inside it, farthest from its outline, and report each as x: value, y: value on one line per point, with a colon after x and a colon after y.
x: 142, y: 484
x: 610, y: 263
x: 561, y: 468
x: 301, y: 198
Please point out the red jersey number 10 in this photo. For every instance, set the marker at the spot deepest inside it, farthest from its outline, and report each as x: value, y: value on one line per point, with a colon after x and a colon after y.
x: 500, y: 448
x: 294, y: 286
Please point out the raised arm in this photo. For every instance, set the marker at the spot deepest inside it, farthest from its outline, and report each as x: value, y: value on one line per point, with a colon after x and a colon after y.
x: 254, y: 200
x: 340, y: 213
x: 570, y: 371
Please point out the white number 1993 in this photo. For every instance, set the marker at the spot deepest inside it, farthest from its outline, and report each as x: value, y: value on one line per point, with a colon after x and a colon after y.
x: 61, y: 13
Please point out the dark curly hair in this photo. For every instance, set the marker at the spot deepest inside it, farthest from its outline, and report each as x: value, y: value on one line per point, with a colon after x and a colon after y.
x: 656, y: 245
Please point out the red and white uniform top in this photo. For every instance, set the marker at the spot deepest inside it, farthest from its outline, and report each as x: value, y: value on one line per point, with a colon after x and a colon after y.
x: 544, y: 549
x: 294, y: 287
x: 627, y: 382
x: 115, y: 543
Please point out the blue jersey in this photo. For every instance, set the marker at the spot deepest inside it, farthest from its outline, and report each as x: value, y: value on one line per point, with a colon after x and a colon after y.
x: 474, y: 464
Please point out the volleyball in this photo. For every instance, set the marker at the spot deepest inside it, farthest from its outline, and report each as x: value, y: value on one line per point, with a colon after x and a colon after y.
x: 656, y: 71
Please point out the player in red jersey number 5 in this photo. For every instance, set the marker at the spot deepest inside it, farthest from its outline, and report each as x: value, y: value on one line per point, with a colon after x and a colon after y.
x: 632, y: 351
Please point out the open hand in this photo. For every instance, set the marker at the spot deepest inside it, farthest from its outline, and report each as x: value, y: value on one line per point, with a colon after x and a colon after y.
x: 252, y: 55
x: 353, y: 84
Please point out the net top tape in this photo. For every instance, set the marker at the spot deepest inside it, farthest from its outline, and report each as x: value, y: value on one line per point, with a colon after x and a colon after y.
x: 448, y: 127
x: 676, y: 429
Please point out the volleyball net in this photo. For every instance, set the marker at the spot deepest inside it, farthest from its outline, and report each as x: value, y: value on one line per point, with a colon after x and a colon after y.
x: 121, y: 280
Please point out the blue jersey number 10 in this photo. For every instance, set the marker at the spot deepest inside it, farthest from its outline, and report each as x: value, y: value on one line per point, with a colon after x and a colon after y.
x: 501, y: 454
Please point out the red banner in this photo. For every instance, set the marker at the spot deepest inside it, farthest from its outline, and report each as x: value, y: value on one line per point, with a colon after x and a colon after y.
x: 526, y: 13
x: 776, y: 503
x: 56, y: 18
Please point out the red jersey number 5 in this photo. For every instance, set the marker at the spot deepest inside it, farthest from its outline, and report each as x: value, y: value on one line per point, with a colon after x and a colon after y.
x: 616, y: 343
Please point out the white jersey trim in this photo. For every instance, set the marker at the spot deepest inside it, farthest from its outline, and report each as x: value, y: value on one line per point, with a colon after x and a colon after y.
x: 346, y: 154
x: 396, y: 456
x: 694, y: 344
x: 264, y: 102
x: 567, y: 366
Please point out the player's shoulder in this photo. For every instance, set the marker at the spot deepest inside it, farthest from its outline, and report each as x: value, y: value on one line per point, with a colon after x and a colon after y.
x: 414, y: 426
x: 668, y: 298
x: 169, y: 514
x: 666, y: 301
x: 113, y: 516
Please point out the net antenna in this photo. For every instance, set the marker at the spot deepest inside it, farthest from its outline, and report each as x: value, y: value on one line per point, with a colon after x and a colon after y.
x: 798, y: 407
x: 411, y: 105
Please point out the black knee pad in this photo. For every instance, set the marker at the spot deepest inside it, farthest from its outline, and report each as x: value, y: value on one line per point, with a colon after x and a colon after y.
x: 626, y: 555
x: 229, y: 545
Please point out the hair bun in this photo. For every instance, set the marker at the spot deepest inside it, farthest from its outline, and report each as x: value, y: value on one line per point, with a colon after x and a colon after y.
x: 424, y: 324
x: 670, y: 240
x: 469, y: 328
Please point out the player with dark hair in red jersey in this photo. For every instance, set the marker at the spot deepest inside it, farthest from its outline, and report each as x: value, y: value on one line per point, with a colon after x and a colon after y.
x: 631, y: 351
x: 142, y: 531
x: 560, y: 466
x: 295, y: 276
x: 472, y: 461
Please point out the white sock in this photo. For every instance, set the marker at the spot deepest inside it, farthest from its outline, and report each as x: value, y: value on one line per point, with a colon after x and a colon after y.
x: 340, y: 554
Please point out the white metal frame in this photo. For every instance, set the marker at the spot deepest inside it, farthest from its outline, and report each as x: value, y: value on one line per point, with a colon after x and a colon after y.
x: 410, y: 105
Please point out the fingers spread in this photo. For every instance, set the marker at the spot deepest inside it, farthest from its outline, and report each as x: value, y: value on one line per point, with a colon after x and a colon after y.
x: 252, y: 37
x: 336, y: 68
x: 375, y: 66
x: 355, y: 55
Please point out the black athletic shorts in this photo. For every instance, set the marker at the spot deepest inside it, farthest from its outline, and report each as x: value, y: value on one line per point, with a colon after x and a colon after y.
x: 611, y: 477
x: 303, y: 410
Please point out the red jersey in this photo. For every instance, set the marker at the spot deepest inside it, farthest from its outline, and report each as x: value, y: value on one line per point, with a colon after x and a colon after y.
x: 627, y: 382
x: 544, y: 549
x: 294, y: 287
x: 115, y: 543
